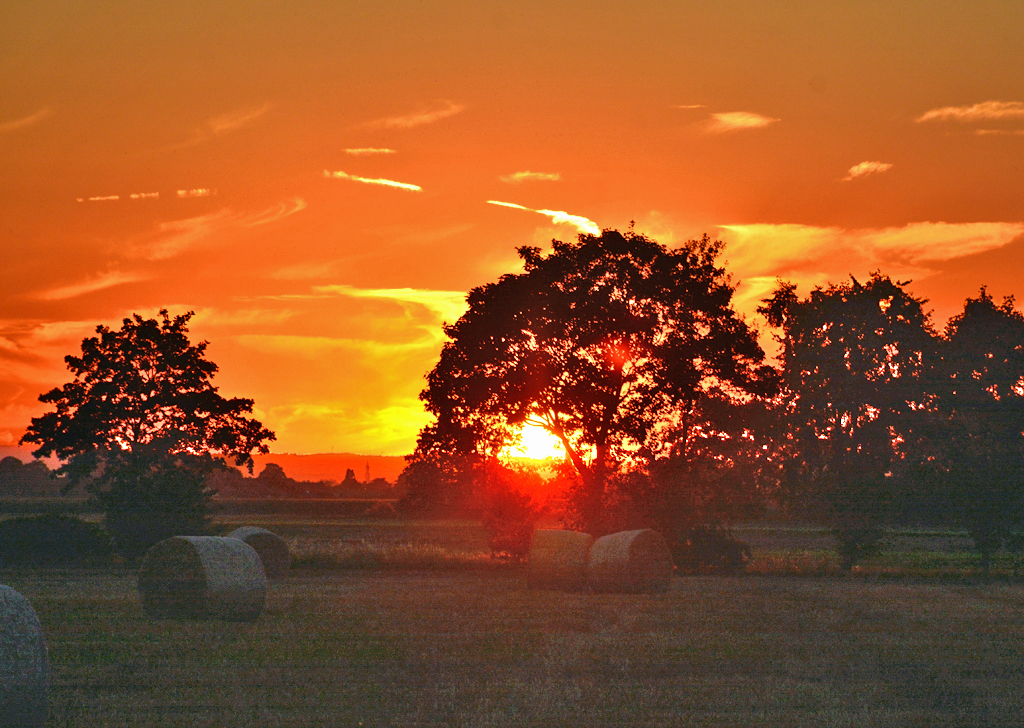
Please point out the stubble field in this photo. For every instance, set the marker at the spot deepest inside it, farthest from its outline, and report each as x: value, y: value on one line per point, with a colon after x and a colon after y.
x: 472, y: 646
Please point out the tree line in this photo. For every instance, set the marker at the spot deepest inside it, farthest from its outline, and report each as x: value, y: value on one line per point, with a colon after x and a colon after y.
x: 671, y: 416
x: 632, y: 355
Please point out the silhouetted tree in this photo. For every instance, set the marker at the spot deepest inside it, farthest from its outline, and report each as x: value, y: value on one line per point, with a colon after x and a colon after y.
x: 31, y: 479
x: 854, y: 362
x: 143, y: 427
x: 508, y: 511
x: 982, y: 401
x: 610, y: 343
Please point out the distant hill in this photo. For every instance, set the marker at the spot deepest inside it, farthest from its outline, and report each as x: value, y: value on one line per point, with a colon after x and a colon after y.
x: 332, y: 466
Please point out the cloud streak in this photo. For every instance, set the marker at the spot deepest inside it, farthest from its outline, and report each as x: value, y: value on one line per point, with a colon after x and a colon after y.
x: 558, y: 217
x: 866, y: 168
x: 175, y: 237
x: 418, y: 118
x: 738, y: 120
x: 802, y: 250
x: 527, y: 176
x: 448, y: 305
x: 1001, y: 132
x: 368, y: 150
x: 372, y: 181
x: 985, y: 111
x: 236, y: 119
x: 30, y: 120
x: 277, y: 212
x: 107, y: 280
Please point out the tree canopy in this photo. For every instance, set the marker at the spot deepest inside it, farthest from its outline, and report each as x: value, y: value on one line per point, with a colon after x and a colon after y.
x: 855, y: 358
x: 610, y: 343
x: 981, y: 400
x: 143, y: 425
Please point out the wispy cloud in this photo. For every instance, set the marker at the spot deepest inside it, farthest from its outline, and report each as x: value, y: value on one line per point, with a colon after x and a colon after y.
x: 26, y: 121
x: 175, y: 237
x: 100, y: 198
x: 518, y: 177
x: 107, y: 280
x: 448, y: 305
x: 236, y: 119
x: 689, y: 106
x: 986, y: 110
x: 802, y: 250
x: 1006, y: 132
x: 558, y: 217
x: 306, y: 271
x: 738, y: 120
x: 221, y: 124
x: 758, y: 255
x: 195, y: 192
x: 368, y: 150
x: 144, y: 196
x: 418, y: 118
x: 277, y: 212
x: 865, y: 168
x: 372, y: 181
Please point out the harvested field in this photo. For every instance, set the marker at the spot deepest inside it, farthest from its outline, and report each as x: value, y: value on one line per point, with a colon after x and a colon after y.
x: 479, y: 649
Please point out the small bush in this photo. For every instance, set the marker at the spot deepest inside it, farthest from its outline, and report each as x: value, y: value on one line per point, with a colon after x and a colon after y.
x: 710, y: 550
x: 508, y: 514
x: 52, y: 538
x: 857, y: 543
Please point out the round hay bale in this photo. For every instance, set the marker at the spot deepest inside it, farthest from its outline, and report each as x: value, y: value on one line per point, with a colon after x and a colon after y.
x: 272, y: 549
x: 630, y: 561
x: 203, y: 577
x: 24, y: 669
x: 558, y: 559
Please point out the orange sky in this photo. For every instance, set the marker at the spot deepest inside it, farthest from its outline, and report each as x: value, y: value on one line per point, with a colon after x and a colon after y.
x: 259, y: 140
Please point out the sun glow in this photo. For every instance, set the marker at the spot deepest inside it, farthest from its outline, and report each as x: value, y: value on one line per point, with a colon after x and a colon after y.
x: 537, y: 444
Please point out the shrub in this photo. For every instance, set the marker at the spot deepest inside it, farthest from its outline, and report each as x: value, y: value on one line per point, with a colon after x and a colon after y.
x: 52, y: 538
x: 856, y: 543
x: 704, y: 549
x: 509, y: 519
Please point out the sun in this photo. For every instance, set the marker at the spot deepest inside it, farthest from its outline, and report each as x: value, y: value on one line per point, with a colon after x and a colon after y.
x: 538, y: 444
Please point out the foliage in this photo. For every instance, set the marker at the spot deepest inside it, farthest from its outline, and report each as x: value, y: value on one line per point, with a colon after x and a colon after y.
x: 142, y: 426
x: 440, y: 473
x: 52, y: 538
x: 981, y: 398
x: 508, y: 512
x: 854, y: 363
x: 27, y: 479
x: 704, y: 549
x: 609, y: 343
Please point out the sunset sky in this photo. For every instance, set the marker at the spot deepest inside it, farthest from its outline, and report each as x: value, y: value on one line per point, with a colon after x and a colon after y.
x: 322, y: 182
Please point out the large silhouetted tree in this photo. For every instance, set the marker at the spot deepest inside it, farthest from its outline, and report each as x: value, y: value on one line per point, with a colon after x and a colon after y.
x: 981, y: 399
x: 611, y: 343
x: 143, y: 427
x: 855, y: 358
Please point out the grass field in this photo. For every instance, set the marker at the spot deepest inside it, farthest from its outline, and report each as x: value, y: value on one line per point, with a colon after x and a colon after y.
x: 390, y: 645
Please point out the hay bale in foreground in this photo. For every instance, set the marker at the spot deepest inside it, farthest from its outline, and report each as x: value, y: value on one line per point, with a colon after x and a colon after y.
x: 630, y: 561
x: 558, y: 559
x: 24, y: 669
x: 203, y: 577
x: 272, y: 549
